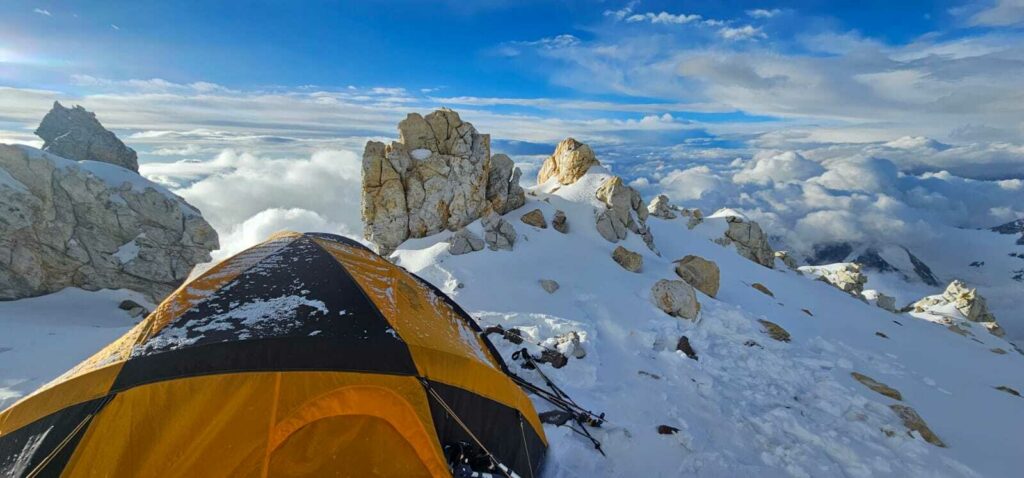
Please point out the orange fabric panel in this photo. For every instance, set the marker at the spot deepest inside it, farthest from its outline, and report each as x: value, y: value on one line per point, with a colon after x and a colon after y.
x: 348, y: 446
x: 203, y: 426
x: 58, y: 396
x: 219, y: 425
x: 401, y: 426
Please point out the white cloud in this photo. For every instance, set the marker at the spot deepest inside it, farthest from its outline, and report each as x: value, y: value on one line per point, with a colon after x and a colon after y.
x: 767, y: 168
x: 42, y: 11
x: 746, y: 32
x: 763, y: 13
x: 999, y: 13
x: 663, y: 18
x: 269, y: 221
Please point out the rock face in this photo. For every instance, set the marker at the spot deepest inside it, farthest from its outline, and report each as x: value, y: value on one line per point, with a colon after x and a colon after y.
x: 503, y: 189
x: 498, y: 233
x: 535, y: 218
x: 92, y: 225
x: 571, y: 160
x: 967, y: 301
x: 845, y: 276
x: 560, y: 222
x: 675, y: 298
x: 661, y: 207
x: 628, y: 259
x: 437, y: 176
x: 464, y: 242
x: 751, y: 242
x: 74, y: 133
x: 700, y: 273
x: 625, y: 211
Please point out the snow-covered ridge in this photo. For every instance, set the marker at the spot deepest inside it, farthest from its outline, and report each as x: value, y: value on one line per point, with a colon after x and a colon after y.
x: 818, y: 404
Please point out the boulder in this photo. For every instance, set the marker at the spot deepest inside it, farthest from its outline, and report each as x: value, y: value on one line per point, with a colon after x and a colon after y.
x: 535, y: 218
x: 762, y: 289
x: 498, y: 233
x: 775, y: 331
x: 550, y: 286
x: 914, y: 423
x: 695, y: 217
x: 560, y: 222
x: 92, y: 225
x: 662, y: 208
x: 629, y: 260
x: 877, y: 386
x: 464, y: 242
x: 787, y: 259
x: 503, y: 189
x: 571, y: 160
x: 76, y: 134
x: 881, y: 300
x: 700, y: 273
x: 675, y: 298
x: 437, y: 176
x: 750, y: 241
x: 625, y: 211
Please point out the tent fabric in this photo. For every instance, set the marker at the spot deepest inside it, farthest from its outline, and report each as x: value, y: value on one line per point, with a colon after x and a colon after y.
x: 306, y: 355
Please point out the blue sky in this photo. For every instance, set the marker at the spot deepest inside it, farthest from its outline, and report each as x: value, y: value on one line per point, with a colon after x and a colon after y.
x: 647, y: 79
x: 823, y: 120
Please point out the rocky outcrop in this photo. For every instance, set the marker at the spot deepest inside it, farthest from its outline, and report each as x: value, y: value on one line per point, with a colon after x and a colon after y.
x: 628, y: 259
x: 464, y: 242
x: 700, y: 273
x: 750, y: 241
x: 559, y: 222
x: 92, y: 225
x: 76, y: 134
x: 845, y: 276
x: 625, y: 212
x: 498, y: 233
x: 571, y: 160
x: 967, y: 301
x: 535, y: 218
x: 503, y: 189
x: 661, y: 207
x: 675, y: 298
x: 437, y: 176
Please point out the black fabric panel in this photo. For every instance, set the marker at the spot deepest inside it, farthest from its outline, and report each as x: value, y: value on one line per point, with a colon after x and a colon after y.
x: 297, y: 309
x: 267, y: 355
x: 339, y: 239
x: 22, y: 450
x: 465, y: 318
x: 499, y: 427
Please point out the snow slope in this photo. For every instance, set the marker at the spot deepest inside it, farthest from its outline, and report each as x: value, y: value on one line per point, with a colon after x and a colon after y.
x: 749, y: 406
x: 43, y: 337
x: 771, y: 409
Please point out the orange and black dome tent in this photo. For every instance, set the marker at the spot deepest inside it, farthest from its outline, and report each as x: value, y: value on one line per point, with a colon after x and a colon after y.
x: 306, y: 355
